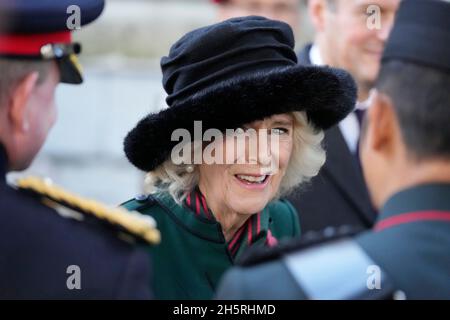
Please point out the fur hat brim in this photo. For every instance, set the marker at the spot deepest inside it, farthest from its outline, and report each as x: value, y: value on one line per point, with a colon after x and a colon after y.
x: 326, y: 94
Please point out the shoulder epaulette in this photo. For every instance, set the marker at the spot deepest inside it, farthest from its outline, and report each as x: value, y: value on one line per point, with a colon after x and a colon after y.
x: 132, y: 222
x: 139, y: 202
x: 339, y: 270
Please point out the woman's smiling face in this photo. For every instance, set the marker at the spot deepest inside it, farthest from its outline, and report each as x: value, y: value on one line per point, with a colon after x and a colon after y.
x: 252, y: 178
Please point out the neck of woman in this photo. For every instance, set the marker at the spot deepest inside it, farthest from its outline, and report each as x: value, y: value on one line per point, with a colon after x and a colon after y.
x: 230, y: 220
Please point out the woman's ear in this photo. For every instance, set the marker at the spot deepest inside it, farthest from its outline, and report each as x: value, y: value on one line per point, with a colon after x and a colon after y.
x: 19, y: 102
x: 317, y: 10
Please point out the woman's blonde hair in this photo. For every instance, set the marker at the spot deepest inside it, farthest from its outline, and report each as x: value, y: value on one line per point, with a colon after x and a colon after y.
x: 307, y: 158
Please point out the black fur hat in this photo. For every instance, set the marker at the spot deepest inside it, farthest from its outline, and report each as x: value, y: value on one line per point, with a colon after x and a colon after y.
x: 233, y: 73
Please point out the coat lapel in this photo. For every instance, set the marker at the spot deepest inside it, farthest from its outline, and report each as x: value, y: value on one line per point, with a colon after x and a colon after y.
x: 342, y: 169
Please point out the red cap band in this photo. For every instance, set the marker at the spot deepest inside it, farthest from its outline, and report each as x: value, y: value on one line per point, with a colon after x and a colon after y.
x: 30, y: 44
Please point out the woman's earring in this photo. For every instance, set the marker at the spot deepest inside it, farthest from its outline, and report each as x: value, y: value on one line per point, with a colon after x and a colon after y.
x: 190, y: 168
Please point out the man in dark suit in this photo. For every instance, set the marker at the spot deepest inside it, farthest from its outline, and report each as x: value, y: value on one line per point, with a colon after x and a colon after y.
x: 344, y: 39
x: 405, y: 153
x: 54, y: 245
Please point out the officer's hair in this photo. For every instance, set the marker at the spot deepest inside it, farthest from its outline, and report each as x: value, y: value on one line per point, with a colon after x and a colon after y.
x: 421, y: 98
x: 15, y: 70
x: 307, y: 158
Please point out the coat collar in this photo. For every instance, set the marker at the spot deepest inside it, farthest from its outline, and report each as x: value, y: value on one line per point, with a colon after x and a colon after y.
x: 424, y: 203
x: 3, y: 163
x: 343, y: 170
x: 426, y: 197
x: 210, y: 229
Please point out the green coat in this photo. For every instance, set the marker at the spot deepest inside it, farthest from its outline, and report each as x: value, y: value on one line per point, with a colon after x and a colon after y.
x: 193, y: 254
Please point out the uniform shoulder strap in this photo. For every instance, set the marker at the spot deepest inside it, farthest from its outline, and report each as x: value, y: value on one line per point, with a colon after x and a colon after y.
x: 140, y: 202
x: 339, y: 270
x: 132, y: 222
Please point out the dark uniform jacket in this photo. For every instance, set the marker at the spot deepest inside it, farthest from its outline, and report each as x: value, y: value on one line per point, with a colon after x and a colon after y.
x: 337, y: 196
x: 40, y: 251
x: 193, y: 254
x: 409, y: 249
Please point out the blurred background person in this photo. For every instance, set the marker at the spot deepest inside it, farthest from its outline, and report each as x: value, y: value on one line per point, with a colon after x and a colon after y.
x: 338, y: 195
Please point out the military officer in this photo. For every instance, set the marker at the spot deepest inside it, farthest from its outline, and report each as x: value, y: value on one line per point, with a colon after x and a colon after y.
x: 53, y: 244
x: 406, y: 139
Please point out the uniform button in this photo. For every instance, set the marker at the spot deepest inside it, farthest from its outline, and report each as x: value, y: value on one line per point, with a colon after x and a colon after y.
x: 58, y: 52
x: 329, y: 232
x: 399, y: 295
x: 141, y: 197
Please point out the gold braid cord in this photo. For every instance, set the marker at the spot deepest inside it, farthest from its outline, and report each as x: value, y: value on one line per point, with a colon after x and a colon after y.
x: 137, y: 224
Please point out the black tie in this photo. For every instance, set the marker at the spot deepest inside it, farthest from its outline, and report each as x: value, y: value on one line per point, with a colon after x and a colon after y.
x: 359, y: 113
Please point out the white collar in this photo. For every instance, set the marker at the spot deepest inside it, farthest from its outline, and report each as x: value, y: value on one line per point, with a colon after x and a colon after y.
x: 315, y: 57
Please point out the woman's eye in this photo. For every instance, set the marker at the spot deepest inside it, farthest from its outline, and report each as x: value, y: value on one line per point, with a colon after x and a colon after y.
x: 279, y: 131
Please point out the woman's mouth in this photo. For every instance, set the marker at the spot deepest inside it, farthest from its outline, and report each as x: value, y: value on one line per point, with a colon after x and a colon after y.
x: 252, y: 181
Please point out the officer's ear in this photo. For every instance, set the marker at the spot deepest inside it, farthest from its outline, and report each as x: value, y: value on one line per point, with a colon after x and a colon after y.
x: 381, y: 124
x: 19, y: 101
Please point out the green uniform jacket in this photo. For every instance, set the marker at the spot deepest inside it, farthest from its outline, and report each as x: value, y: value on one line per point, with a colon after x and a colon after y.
x: 193, y: 254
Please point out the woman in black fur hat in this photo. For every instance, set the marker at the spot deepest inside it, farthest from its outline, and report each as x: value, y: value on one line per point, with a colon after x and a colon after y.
x: 217, y: 191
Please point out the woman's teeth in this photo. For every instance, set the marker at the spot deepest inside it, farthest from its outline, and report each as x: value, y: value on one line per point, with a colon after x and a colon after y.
x: 252, y: 179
